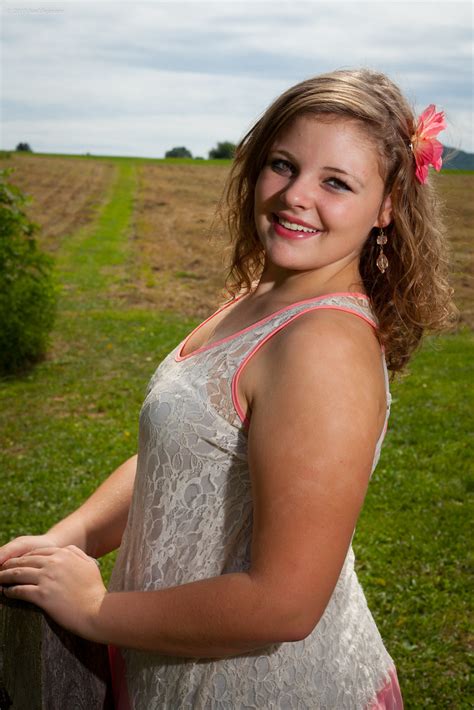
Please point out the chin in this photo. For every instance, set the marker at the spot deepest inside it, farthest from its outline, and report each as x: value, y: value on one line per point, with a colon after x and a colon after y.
x: 288, y: 264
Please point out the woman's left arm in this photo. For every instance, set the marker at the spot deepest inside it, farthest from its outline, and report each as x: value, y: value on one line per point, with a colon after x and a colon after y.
x: 315, y: 420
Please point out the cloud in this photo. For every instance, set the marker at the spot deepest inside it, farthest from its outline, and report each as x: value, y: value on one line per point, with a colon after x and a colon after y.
x: 202, y: 72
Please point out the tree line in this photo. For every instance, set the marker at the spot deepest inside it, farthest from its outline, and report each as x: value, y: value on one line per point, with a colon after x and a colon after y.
x: 223, y: 150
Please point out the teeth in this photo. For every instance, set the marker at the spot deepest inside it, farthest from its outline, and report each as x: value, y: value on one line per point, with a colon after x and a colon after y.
x: 296, y: 227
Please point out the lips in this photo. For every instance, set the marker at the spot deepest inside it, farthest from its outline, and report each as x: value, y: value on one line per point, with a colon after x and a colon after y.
x: 281, y: 224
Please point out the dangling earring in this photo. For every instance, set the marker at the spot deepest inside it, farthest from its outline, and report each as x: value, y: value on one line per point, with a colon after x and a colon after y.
x: 382, y: 261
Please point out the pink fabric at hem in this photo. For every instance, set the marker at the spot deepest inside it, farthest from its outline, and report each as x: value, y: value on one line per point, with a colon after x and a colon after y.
x: 390, y: 697
x: 119, y: 682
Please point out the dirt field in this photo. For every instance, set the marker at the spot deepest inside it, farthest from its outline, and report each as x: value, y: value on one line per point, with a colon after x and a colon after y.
x: 457, y: 191
x: 176, y: 263
x: 65, y: 193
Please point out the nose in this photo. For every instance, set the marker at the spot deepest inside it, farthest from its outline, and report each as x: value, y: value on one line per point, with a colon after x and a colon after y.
x: 299, y: 192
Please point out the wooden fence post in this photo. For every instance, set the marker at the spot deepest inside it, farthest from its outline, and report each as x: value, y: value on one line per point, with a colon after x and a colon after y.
x: 44, y: 667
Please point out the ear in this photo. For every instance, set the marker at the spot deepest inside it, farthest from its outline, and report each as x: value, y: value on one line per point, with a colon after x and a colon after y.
x: 385, y: 213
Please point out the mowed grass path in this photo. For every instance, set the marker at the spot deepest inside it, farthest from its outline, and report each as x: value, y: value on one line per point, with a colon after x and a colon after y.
x: 73, y: 419
x: 94, y: 258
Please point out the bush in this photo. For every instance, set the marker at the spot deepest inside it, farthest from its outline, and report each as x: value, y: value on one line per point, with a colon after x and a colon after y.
x: 27, y: 292
x: 225, y: 150
x: 24, y: 147
x: 180, y: 152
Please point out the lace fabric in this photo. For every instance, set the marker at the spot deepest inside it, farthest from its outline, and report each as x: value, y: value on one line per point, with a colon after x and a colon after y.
x: 191, y: 518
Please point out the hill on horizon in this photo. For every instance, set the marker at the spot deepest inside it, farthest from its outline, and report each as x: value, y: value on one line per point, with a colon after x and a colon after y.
x: 454, y: 159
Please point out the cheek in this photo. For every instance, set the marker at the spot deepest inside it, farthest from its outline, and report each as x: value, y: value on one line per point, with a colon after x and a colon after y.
x: 339, y: 209
x: 337, y: 213
x: 258, y: 207
x: 267, y: 188
x: 354, y: 212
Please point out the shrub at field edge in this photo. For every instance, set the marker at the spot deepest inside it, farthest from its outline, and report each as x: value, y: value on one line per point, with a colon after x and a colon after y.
x: 28, y: 295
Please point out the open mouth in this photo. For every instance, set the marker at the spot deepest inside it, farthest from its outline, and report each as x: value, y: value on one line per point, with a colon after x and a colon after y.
x: 286, y: 228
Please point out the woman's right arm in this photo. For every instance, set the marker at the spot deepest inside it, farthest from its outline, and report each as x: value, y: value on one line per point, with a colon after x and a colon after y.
x: 96, y: 527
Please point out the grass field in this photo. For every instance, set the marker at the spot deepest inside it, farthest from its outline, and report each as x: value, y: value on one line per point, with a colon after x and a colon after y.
x: 137, y: 272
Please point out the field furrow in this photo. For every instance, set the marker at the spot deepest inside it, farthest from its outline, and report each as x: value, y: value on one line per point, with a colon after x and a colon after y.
x: 65, y: 194
x: 178, y: 262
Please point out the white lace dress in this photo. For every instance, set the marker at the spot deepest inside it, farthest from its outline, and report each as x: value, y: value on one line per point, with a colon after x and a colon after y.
x: 191, y: 518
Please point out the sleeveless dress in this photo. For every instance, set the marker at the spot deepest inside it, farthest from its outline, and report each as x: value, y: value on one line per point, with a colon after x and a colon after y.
x: 191, y: 518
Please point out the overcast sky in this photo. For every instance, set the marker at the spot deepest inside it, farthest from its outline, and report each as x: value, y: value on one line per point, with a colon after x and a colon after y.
x: 123, y: 78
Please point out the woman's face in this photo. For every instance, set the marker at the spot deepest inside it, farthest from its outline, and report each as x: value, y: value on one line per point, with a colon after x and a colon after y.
x: 318, y: 196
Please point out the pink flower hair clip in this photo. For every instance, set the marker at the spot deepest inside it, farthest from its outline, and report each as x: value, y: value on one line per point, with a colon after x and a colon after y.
x: 426, y: 149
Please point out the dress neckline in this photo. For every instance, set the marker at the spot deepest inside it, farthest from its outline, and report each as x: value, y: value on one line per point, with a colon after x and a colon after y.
x: 208, y: 346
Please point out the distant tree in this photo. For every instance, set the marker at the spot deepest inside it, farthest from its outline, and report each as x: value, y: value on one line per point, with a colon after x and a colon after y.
x: 179, y: 152
x: 223, y: 150
x: 24, y: 147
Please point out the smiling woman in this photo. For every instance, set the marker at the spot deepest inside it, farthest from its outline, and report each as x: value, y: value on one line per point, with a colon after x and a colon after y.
x: 234, y: 585
x: 338, y: 211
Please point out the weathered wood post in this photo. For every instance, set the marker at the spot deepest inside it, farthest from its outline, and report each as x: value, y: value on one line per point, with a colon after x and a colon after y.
x: 44, y: 667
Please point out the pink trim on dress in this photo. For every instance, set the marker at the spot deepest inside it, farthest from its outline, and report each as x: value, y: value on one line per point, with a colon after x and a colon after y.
x: 119, y: 681
x: 235, y: 380
x: 203, y: 348
x: 180, y: 357
x: 390, y: 697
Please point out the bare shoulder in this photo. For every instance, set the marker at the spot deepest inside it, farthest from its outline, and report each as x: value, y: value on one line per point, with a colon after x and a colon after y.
x: 326, y: 353
x: 328, y: 329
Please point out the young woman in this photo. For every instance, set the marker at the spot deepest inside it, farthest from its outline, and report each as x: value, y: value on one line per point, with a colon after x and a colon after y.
x: 234, y: 585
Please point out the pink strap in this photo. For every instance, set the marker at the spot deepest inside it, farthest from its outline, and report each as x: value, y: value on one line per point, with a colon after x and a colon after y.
x: 182, y: 345
x: 235, y: 380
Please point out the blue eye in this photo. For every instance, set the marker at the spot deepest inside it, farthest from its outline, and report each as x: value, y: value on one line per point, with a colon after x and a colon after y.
x: 279, y: 165
x: 340, y: 185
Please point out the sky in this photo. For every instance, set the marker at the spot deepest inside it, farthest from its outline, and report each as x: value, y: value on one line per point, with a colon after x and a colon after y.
x: 139, y: 78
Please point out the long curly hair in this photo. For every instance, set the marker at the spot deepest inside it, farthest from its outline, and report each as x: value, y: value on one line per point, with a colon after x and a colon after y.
x: 413, y: 296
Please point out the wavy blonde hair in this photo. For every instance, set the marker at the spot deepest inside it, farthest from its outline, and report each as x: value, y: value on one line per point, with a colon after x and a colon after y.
x: 413, y: 296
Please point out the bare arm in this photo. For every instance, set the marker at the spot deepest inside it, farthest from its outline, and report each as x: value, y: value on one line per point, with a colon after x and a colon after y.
x: 315, y: 420
x: 96, y: 527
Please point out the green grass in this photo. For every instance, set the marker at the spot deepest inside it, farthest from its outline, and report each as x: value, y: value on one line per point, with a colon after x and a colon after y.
x: 74, y: 418
x: 412, y: 538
